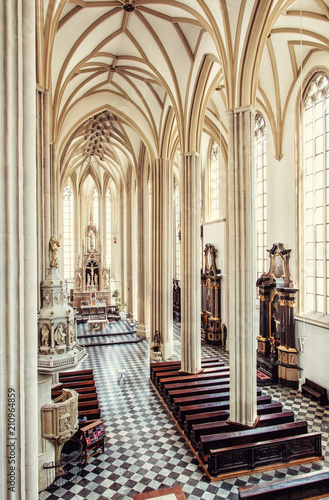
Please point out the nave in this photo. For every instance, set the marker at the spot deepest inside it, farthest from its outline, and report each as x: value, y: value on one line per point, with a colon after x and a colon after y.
x: 143, y: 449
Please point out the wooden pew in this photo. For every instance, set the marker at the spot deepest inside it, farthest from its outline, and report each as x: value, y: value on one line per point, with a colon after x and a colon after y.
x: 91, y: 414
x: 207, y: 407
x: 249, y: 456
x: 207, y: 397
x: 81, y: 390
x: 206, y: 364
x: 210, y: 368
x: 76, y: 385
x: 301, y: 487
x: 170, y: 371
x: 62, y: 375
x: 87, y: 405
x: 222, y: 372
x: 219, y: 415
x: 315, y: 391
x: 175, y: 363
x: 91, y: 396
x: 196, y: 383
x: 217, y: 427
x: 238, y: 438
x: 79, y: 378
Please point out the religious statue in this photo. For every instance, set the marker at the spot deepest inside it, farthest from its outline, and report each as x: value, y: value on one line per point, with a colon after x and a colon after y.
x: 88, y: 279
x: 95, y: 279
x: 59, y: 335
x: 71, y: 333
x: 78, y: 280
x: 45, y: 336
x: 54, y: 245
x: 106, y: 279
x: 91, y: 239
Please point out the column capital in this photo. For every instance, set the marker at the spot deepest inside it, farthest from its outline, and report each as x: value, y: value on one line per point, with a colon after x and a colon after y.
x: 241, y: 109
x: 190, y: 153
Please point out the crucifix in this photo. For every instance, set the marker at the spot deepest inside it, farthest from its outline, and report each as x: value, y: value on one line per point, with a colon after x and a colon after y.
x: 92, y: 273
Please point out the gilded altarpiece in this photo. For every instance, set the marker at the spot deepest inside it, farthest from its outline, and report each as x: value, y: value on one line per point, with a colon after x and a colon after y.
x: 211, y: 297
x: 276, y: 352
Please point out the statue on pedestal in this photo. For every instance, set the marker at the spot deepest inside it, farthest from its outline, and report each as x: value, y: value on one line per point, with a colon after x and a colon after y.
x: 54, y: 245
x: 59, y: 335
x: 45, y: 336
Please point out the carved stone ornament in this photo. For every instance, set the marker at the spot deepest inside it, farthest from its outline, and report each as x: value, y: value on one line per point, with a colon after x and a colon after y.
x: 59, y: 336
x: 46, y: 297
x: 59, y: 420
x: 57, y: 298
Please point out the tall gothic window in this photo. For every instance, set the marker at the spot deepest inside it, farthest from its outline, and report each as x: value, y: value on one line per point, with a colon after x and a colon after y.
x: 214, y: 181
x: 261, y: 193
x: 315, y: 196
x: 108, y: 227
x: 68, y: 232
x: 177, y: 231
x: 96, y: 207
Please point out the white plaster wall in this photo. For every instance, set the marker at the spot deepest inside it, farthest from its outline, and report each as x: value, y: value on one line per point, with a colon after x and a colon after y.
x: 314, y: 361
x: 282, y: 227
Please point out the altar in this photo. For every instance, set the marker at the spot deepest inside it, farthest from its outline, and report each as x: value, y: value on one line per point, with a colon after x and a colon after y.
x: 93, y: 286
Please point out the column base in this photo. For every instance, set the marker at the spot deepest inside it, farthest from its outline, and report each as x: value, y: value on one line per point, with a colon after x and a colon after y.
x: 167, y: 350
x: 155, y: 356
x: 143, y: 331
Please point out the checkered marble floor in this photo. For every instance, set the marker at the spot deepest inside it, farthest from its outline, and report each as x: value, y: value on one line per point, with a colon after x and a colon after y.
x: 118, y: 332
x: 143, y: 449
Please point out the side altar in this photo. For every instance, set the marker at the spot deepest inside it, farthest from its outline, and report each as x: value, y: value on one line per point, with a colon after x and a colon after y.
x: 277, y: 353
x: 211, y: 278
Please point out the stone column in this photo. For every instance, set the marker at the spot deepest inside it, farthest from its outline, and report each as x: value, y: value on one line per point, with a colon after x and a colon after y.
x: 161, y: 258
x: 121, y: 261
x: 129, y: 247
x: 143, y: 275
x: 190, y: 179
x: 18, y: 276
x: 241, y: 267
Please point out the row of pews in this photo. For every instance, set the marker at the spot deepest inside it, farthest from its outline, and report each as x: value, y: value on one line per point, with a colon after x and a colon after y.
x: 82, y: 381
x: 199, y: 405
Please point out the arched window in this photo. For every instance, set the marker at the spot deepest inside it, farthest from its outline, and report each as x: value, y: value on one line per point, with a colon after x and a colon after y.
x: 177, y: 232
x: 68, y: 232
x: 96, y: 207
x: 108, y: 228
x: 315, y: 196
x: 260, y: 193
x: 214, y: 182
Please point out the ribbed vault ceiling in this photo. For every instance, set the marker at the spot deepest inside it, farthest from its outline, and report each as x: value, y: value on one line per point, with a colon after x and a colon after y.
x: 126, y: 72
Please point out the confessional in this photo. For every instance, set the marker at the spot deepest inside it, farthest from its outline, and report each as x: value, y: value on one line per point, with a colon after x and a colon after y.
x: 276, y: 349
x: 211, y: 297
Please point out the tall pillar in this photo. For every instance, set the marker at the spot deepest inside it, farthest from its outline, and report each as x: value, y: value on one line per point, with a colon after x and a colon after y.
x: 241, y: 267
x: 190, y: 179
x: 161, y: 258
x: 18, y: 275
x: 128, y: 247
x: 143, y: 275
x: 121, y: 261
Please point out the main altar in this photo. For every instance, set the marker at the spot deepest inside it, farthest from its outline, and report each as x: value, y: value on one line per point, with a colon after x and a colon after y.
x: 93, y: 286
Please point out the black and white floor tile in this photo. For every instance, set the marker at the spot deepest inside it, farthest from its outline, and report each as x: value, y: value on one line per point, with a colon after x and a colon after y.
x: 143, y: 449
